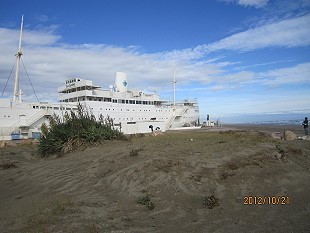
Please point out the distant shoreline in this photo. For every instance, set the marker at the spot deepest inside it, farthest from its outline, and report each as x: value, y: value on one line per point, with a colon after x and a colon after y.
x: 297, y: 129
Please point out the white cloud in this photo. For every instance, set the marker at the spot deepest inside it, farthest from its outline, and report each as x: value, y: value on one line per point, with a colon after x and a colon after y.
x: 254, y: 3
x: 292, y: 75
x: 9, y: 38
x: 286, y: 33
x: 42, y: 18
x: 248, y: 3
x: 50, y: 62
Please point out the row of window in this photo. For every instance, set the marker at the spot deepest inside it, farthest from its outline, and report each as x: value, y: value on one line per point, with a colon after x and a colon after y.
x: 144, y: 110
x: 105, y: 99
x: 142, y: 118
x: 89, y: 88
x: 72, y: 81
x: 52, y: 108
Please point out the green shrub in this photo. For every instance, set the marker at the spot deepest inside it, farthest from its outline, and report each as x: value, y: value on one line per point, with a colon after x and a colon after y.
x: 75, y: 130
x: 146, y: 200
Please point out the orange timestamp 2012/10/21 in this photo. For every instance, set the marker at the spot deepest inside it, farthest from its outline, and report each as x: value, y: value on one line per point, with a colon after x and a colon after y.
x: 266, y: 200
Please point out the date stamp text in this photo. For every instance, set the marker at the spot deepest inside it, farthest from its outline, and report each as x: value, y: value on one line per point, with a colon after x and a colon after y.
x: 266, y: 200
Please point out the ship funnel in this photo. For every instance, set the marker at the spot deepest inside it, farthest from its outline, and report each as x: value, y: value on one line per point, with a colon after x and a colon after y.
x: 121, y: 82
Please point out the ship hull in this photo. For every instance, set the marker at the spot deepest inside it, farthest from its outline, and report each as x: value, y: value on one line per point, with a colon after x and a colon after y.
x: 21, y: 120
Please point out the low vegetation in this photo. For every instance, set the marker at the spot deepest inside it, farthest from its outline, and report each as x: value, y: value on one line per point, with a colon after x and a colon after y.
x: 47, y: 215
x: 146, y: 200
x: 75, y: 130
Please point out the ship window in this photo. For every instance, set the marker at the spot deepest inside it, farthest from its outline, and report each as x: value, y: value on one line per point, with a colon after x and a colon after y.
x: 33, y: 107
x: 114, y: 100
x: 82, y: 88
x: 107, y: 99
x: 138, y: 102
x: 131, y: 102
x: 126, y: 101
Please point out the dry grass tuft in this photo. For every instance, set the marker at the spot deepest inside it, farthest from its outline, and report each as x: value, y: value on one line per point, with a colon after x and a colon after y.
x: 8, y: 165
x: 46, y: 215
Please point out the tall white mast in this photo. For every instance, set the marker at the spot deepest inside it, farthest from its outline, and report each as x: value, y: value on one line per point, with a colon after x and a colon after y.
x: 18, y: 55
x: 174, y: 82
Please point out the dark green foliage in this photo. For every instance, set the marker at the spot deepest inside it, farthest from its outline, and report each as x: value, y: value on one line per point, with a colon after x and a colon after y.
x: 146, y: 200
x: 75, y: 130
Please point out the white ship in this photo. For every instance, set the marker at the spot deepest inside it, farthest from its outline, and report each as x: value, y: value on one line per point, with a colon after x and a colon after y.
x: 132, y: 111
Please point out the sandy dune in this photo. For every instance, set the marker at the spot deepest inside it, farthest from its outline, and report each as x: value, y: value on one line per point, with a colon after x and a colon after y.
x: 97, y: 190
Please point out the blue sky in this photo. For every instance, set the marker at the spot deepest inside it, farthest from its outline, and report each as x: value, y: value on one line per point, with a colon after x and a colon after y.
x: 237, y: 57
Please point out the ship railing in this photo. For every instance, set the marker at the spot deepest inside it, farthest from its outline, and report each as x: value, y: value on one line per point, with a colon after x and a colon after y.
x: 175, y: 114
x: 15, y: 127
x: 31, y: 120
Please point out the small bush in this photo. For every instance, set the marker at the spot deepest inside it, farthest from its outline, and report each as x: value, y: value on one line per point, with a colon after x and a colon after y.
x: 146, y: 200
x: 210, y: 202
x: 75, y: 130
x: 134, y: 152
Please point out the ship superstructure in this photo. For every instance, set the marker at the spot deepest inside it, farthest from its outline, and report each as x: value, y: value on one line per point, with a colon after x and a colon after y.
x: 133, y: 110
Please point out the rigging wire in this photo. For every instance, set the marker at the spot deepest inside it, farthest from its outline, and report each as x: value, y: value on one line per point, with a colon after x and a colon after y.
x: 30, y: 81
x: 7, y: 81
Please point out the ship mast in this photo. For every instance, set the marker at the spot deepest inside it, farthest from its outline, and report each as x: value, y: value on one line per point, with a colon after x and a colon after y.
x: 174, y: 82
x: 17, y: 92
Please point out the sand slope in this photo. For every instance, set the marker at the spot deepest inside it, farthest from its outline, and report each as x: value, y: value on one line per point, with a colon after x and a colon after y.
x: 97, y: 190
